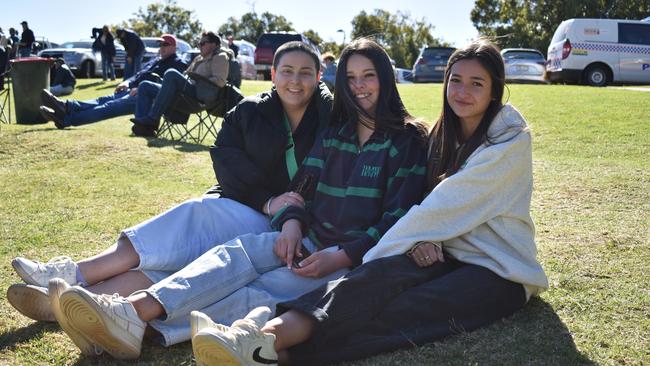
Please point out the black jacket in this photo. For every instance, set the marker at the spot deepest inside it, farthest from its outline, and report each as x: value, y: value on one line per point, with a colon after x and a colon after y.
x: 157, y: 66
x: 132, y: 43
x: 249, y: 155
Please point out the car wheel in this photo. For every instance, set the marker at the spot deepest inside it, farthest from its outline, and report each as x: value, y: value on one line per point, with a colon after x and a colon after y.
x: 596, y: 75
x: 87, y: 69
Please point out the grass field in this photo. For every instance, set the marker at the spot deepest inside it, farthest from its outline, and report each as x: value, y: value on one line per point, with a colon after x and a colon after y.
x: 71, y: 191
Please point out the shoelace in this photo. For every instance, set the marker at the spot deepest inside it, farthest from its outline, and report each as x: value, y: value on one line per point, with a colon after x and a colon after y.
x: 57, y: 262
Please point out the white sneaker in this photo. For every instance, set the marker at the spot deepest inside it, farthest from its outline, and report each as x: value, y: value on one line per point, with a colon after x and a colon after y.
x: 38, y: 273
x: 55, y: 288
x: 241, y: 344
x: 110, y: 321
x: 31, y: 301
x: 198, y: 321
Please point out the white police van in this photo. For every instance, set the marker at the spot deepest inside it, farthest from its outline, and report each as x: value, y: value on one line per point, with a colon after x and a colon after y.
x: 600, y: 51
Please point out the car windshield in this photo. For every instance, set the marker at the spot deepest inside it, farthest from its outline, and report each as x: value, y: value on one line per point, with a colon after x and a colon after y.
x: 76, y: 45
x: 277, y: 39
x: 153, y: 43
x: 523, y: 55
x: 443, y: 53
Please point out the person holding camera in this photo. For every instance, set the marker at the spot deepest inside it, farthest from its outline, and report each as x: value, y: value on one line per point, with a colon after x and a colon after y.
x: 104, y: 43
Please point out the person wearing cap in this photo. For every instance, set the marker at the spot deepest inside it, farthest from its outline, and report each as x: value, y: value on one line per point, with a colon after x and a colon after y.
x: 64, y: 81
x: 26, y: 41
x: 134, y: 48
x: 121, y: 102
x: 154, y: 98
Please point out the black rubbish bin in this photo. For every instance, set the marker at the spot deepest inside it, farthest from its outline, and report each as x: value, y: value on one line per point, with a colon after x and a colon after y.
x: 29, y: 76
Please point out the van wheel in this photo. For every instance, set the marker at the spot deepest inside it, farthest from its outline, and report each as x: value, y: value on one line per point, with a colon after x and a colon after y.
x: 596, y: 76
x: 88, y: 69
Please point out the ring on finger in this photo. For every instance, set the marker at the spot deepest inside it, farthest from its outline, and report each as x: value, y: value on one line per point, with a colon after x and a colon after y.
x: 427, y: 258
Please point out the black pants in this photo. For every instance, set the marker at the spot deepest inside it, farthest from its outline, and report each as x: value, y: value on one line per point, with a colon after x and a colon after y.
x: 391, y: 303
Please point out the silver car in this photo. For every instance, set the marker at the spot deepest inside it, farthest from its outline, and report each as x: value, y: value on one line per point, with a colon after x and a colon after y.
x: 524, y: 65
x: 81, y: 59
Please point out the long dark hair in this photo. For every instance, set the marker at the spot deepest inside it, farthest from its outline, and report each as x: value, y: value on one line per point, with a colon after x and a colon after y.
x: 445, y: 158
x: 391, y: 113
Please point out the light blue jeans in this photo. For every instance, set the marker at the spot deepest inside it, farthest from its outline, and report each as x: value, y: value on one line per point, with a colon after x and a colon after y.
x: 170, y: 241
x: 227, y: 282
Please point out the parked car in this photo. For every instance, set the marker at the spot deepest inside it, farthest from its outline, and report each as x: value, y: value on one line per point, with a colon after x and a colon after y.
x: 431, y: 63
x: 246, y: 59
x: 403, y: 75
x: 524, y: 65
x: 152, y: 44
x: 268, y: 43
x: 81, y: 59
x: 600, y: 51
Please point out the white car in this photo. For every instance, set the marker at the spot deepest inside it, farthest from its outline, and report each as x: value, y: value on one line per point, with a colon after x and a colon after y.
x: 600, y: 51
x: 152, y: 44
x: 246, y: 58
x: 524, y: 65
x: 81, y: 59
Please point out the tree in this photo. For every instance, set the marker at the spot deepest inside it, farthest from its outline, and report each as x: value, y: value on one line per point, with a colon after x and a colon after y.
x: 167, y: 17
x: 529, y: 23
x: 401, y: 36
x: 251, y: 26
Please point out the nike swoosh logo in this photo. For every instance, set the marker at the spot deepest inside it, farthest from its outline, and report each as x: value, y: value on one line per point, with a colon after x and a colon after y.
x: 262, y: 360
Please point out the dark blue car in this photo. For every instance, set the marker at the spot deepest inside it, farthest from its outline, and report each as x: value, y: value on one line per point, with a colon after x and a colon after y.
x: 430, y: 64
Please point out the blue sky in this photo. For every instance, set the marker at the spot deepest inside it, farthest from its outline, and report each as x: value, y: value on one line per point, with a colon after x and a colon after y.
x: 65, y: 20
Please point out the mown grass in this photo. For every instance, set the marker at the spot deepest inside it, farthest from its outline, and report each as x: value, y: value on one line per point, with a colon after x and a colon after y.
x: 71, y: 191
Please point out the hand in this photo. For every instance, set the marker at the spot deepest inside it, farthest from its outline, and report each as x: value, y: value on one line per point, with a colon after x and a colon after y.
x: 133, y: 92
x: 129, y: 60
x: 425, y: 253
x: 286, y: 199
x: 322, y: 263
x: 288, y: 243
x: 121, y: 87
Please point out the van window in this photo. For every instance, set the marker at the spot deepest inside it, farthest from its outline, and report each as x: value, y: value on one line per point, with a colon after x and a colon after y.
x: 634, y: 33
x: 560, y: 32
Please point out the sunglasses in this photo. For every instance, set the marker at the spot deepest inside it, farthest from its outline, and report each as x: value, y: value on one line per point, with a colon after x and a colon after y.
x: 203, y: 43
x: 165, y: 44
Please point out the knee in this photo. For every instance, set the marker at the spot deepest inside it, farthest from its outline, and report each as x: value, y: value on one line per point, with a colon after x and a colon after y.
x: 148, y: 88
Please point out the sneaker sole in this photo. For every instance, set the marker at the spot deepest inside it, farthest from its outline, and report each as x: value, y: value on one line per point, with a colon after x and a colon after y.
x: 26, y: 277
x: 31, y: 301
x: 210, y: 350
x: 86, y: 316
x: 85, y: 345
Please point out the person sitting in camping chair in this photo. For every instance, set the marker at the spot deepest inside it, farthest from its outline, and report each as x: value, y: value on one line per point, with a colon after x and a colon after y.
x: 201, y: 81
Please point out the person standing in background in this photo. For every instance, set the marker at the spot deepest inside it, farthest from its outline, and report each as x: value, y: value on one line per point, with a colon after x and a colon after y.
x: 26, y: 41
x: 134, y: 48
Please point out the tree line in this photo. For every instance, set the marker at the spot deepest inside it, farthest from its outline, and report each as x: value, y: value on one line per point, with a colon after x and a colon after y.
x: 402, y: 36
x: 514, y: 23
x: 531, y: 24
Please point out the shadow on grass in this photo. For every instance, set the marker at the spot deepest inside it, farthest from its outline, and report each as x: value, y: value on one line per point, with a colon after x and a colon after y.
x: 533, y: 336
x: 546, y: 339
x: 11, y: 339
x: 90, y: 85
x: 178, y: 145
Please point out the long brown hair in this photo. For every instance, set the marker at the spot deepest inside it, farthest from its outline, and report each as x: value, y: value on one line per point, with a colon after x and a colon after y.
x: 391, y: 114
x: 445, y: 158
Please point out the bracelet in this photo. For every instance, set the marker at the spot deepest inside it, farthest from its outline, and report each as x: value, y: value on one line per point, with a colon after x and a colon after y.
x: 268, y: 207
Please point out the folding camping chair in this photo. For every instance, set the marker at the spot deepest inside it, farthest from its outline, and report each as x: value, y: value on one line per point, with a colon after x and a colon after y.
x: 5, y: 97
x: 175, y: 120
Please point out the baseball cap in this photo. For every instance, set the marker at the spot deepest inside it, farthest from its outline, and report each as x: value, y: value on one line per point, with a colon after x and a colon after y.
x: 168, y: 38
